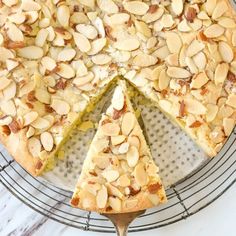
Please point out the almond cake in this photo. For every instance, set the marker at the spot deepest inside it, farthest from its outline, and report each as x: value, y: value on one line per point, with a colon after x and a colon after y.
x: 57, y: 57
x: 118, y: 174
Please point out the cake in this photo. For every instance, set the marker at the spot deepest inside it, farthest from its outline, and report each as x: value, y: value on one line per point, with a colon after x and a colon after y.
x: 118, y: 174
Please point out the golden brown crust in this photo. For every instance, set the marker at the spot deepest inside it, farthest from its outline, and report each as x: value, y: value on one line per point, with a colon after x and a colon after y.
x: 16, y: 144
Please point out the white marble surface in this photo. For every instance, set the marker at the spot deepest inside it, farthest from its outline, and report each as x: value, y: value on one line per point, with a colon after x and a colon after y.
x: 218, y: 219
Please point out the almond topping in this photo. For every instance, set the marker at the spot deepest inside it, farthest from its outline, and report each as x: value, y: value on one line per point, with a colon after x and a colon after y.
x: 110, y: 129
x: 128, y: 123
x: 47, y: 141
x: 140, y: 175
x: 101, y: 198
x: 132, y: 156
x: 61, y: 107
x: 34, y: 146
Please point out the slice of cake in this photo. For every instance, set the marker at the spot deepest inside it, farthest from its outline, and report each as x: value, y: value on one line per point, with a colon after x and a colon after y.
x: 119, y: 174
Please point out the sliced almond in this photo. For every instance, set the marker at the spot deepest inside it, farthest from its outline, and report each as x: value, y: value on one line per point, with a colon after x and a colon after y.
x: 67, y: 54
x: 110, y: 175
x: 116, y: 140
x: 8, y: 108
x: 5, y: 54
x: 132, y: 156
x: 221, y: 73
x: 210, y: 6
x: 31, y: 52
x: 82, y: 42
x: 228, y: 125
x: 41, y: 37
x: 10, y: 91
x: 200, y: 60
x: 226, y: 52
x: 136, y: 7
x: 183, y: 26
x: 119, y: 18
x: 153, y: 16
x: 194, y: 48
x: 123, y: 148
x: 177, y: 72
x: 199, y: 80
x: 4, y: 82
x: 11, y: 64
x: 30, y: 5
x: 79, y: 81
x: 34, y: 146
x: 173, y: 42
x: 115, y: 203
x: 101, y: 199
x: 40, y: 123
x: 231, y: 101
x: 214, y: 31
x: 177, y: 6
x: 43, y: 96
x: 220, y: 9
x: 30, y: 117
x: 118, y: 99
x: 63, y: 15
x: 211, y: 113
x: 14, y: 33
x: 164, y: 80
x: 101, y: 59
x: 166, y: 21
x: 191, y: 65
x: 128, y: 123
x: 143, y: 28
x: 110, y: 129
x: 65, y: 71
x: 108, y: 6
x: 140, y: 175
x: 144, y: 60
x: 88, y: 3
x: 48, y: 63
x: 30, y: 132
x: 96, y: 46
x: 227, y: 22
x: 47, y: 141
x: 87, y: 30
x: 61, y: 107
x: 195, y: 107
x: 127, y: 44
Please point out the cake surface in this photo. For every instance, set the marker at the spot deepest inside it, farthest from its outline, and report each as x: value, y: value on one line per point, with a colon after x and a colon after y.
x: 118, y: 174
x: 57, y: 57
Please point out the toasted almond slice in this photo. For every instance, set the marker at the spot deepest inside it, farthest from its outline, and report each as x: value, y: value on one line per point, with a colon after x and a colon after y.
x: 164, y: 80
x: 110, y: 129
x: 47, y: 141
x: 177, y: 72
x: 143, y: 28
x: 4, y: 82
x: 88, y: 31
x: 144, y: 60
x: 30, y: 132
x: 30, y: 117
x: 199, y: 80
x: 48, y: 63
x: 136, y: 7
x: 41, y: 37
x: 132, y: 156
x: 220, y: 9
x: 79, y: 81
x: 116, y: 140
x: 14, y: 33
x: 10, y: 3
x: 211, y: 113
x: 63, y: 15
x: 221, y: 73
x: 227, y: 22
x: 231, y: 101
x: 88, y: 3
x: 123, y: 181
x: 101, y: 199
x: 113, y: 191
x: 173, y: 59
x: 182, y: 56
x: 65, y: 71
x: 124, y: 147
x: 162, y: 52
x: 134, y: 140
x: 183, y: 26
x: 31, y: 52
x: 119, y: 18
x: 61, y: 107
x: 79, y: 66
x: 228, y: 124
x: 110, y: 175
x: 167, y: 21
x: 11, y: 64
x: 200, y: 60
x: 97, y: 45
x: 108, y: 6
x: 151, y: 17
x: 10, y: 91
x: 177, y: 6
x: 82, y: 42
x: 226, y: 52
x: 210, y: 6
x: 140, y: 175
x: 67, y: 54
x: 101, y: 59
x: 127, y: 44
x: 173, y: 42
x: 30, y: 5
x: 5, y: 54
x: 118, y: 99
x: 34, y: 146
x: 191, y: 65
x: 194, y: 48
x: 194, y: 107
x: 8, y: 108
x: 40, y: 123
x: 32, y: 17
x: 214, y: 31
x: 115, y: 203
x: 128, y: 123
x: 43, y: 96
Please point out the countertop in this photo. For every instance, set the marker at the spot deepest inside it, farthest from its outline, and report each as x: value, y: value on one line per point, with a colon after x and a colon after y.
x: 218, y: 219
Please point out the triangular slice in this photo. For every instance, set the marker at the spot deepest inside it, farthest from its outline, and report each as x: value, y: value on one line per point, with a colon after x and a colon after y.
x: 119, y: 174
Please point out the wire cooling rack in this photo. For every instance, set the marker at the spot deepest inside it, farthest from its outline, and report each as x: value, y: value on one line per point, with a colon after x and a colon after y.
x: 187, y: 197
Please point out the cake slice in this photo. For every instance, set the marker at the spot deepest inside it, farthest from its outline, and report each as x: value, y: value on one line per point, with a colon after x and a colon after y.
x: 119, y: 174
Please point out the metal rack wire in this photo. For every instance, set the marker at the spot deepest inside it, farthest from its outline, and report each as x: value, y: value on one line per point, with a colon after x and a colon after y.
x: 187, y: 197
